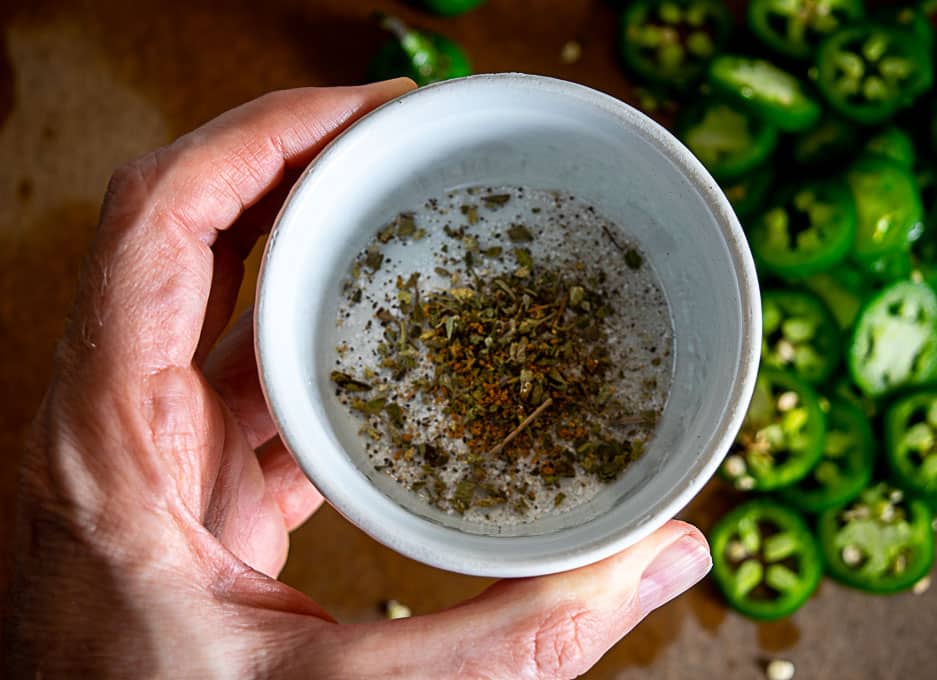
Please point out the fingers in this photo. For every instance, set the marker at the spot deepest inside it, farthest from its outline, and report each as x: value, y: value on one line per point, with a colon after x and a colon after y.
x: 555, y: 626
x: 230, y: 250
x: 257, y: 500
x: 241, y: 512
x: 232, y: 369
x: 227, y: 274
x: 292, y: 491
x: 145, y: 291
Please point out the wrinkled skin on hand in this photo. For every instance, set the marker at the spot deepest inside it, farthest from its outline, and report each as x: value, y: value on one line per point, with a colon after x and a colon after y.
x: 156, y: 501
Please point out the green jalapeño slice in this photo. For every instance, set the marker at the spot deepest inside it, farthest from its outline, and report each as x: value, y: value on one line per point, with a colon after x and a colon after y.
x: 765, y: 560
x: 911, y: 436
x: 728, y: 140
x: 842, y: 288
x: 910, y: 17
x: 809, y: 230
x: 846, y: 466
x: 782, y: 437
x: 894, y: 343
x: 882, y: 542
x: 889, y: 209
x: 770, y: 92
x: 670, y: 42
x: 868, y: 72
x: 800, y: 334
x: 893, y: 143
x: 827, y: 142
x: 795, y: 27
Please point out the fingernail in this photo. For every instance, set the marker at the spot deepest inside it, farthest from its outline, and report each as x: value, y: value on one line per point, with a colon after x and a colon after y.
x: 401, y: 82
x: 682, y: 564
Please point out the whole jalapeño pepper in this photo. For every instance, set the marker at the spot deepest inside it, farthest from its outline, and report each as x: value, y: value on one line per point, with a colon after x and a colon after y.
x: 424, y: 57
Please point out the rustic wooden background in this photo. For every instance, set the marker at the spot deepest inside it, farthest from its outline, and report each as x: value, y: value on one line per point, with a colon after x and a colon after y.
x: 86, y: 85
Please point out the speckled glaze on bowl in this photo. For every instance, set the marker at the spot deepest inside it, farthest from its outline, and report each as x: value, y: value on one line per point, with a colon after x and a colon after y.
x: 537, y: 132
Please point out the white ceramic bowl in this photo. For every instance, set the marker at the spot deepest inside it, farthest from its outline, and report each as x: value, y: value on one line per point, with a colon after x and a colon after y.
x: 542, y: 133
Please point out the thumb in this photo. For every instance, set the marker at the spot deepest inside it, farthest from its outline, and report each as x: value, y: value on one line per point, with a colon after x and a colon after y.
x: 553, y: 626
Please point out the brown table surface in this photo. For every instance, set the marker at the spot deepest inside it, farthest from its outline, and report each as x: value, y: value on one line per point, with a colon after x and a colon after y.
x: 85, y: 85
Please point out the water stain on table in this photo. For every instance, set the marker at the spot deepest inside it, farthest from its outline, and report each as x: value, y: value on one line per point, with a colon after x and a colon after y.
x: 708, y: 606
x: 776, y: 636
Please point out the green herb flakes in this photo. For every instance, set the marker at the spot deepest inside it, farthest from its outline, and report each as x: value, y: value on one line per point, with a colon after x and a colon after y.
x: 518, y: 233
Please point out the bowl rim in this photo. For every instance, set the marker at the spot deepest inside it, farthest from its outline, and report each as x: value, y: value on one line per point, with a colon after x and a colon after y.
x: 500, y: 563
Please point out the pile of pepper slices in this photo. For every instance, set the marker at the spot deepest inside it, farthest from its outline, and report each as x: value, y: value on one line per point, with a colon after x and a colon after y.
x: 820, y: 123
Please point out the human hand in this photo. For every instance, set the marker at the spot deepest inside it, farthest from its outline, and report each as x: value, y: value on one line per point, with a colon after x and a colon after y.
x: 156, y: 500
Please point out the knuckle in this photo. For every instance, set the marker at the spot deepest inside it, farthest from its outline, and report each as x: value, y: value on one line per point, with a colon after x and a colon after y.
x: 127, y: 178
x: 124, y: 195
x: 131, y: 181
x: 563, y: 642
x: 275, y: 98
x: 248, y: 168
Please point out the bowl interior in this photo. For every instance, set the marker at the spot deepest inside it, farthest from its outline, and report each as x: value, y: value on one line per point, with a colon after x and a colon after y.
x: 539, y: 133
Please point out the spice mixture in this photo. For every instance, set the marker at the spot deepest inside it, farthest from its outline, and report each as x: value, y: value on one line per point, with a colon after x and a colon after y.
x: 523, y: 372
